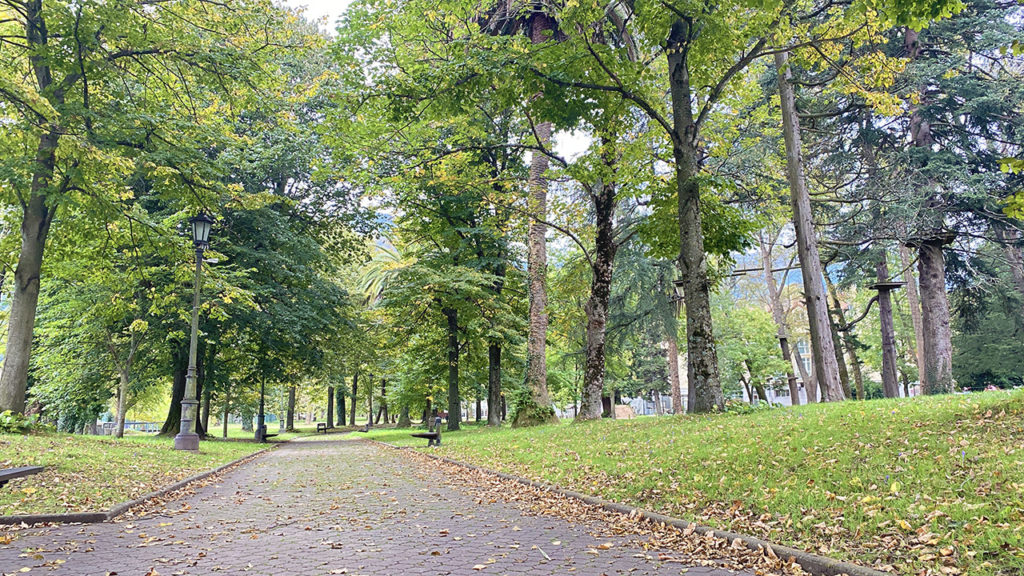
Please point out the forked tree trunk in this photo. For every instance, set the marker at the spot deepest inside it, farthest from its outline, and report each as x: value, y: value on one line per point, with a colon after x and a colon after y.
x: 603, y: 195
x: 122, y: 403
x: 780, y: 319
x: 539, y: 412
x: 702, y: 358
x: 454, y: 405
x: 494, y: 384
x: 823, y: 352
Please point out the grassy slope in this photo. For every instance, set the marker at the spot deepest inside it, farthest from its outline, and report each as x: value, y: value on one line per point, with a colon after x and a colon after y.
x: 92, y: 473
x: 929, y: 483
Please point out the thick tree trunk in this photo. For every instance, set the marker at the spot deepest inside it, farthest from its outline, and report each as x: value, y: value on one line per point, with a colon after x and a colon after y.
x: 403, y: 418
x: 597, y: 304
x: 539, y: 411
x: 780, y: 319
x: 938, y: 347
x: 890, y: 387
x: 355, y: 390
x: 179, y: 357
x: 702, y: 358
x: 672, y: 356
x: 330, y: 406
x: 937, y: 377
x: 494, y: 384
x: 35, y: 227
x: 454, y: 404
x: 823, y: 352
x: 290, y: 413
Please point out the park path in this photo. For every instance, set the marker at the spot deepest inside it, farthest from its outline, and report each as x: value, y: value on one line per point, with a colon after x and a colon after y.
x: 330, y: 505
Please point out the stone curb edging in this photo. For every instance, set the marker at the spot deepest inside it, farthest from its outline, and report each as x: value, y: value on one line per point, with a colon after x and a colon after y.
x: 119, y: 509
x: 813, y: 563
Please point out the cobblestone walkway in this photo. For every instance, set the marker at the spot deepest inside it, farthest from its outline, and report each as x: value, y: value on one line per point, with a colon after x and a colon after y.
x: 328, y: 505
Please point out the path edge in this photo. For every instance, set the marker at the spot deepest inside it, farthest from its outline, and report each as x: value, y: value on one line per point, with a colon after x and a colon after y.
x: 119, y: 509
x: 813, y: 563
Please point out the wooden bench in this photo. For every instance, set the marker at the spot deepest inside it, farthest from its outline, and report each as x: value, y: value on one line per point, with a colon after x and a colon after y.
x: 321, y: 427
x: 433, y: 435
x: 8, y: 474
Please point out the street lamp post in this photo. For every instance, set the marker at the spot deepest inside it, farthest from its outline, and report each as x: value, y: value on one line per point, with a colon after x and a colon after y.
x: 187, y: 439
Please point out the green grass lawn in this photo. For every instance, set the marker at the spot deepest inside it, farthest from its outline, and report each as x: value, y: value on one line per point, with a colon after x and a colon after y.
x: 929, y: 483
x: 93, y: 473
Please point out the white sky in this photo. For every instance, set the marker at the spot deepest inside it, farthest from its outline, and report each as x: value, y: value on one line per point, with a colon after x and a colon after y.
x: 567, y: 144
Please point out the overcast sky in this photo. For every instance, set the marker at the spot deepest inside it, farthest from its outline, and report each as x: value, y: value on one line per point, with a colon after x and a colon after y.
x: 316, y: 9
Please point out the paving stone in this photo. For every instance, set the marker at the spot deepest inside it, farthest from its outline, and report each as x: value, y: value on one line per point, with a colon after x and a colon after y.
x: 329, y: 505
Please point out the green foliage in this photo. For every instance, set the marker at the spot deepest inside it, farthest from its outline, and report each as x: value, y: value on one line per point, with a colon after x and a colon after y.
x: 13, y: 423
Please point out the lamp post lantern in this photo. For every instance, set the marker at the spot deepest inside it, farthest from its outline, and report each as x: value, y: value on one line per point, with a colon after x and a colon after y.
x: 187, y: 439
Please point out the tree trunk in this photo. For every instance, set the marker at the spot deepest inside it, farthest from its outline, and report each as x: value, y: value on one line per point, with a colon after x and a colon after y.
x: 672, y: 356
x: 403, y: 418
x: 122, y: 404
x: 938, y: 347
x: 355, y: 390
x: 539, y: 411
x: 384, y: 399
x: 1010, y: 240
x: 659, y: 410
x: 339, y: 402
x: 844, y: 373
x: 330, y: 406
x: 179, y: 358
x: 289, y: 424
x: 702, y: 358
x: 494, y: 384
x: 914, y: 302
x: 780, y: 319
x: 823, y: 352
x: 810, y: 383
x: 369, y: 401
x: 204, y: 412
x: 597, y: 304
x: 847, y: 339
x: 454, y: 405
x: 890, y: 387
x: 227, y: 412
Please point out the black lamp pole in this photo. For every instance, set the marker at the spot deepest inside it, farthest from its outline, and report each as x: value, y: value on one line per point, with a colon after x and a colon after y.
x: 187, y: 439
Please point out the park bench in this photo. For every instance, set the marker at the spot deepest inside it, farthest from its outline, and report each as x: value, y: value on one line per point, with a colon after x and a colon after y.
x: 321, y: 427
x: 433, y: 435
x: 8, y: 474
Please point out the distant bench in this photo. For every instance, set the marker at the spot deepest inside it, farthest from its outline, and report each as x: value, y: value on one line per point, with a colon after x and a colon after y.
x: 433, y: 435
x: 321, y: 427
x: 8, y: 474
